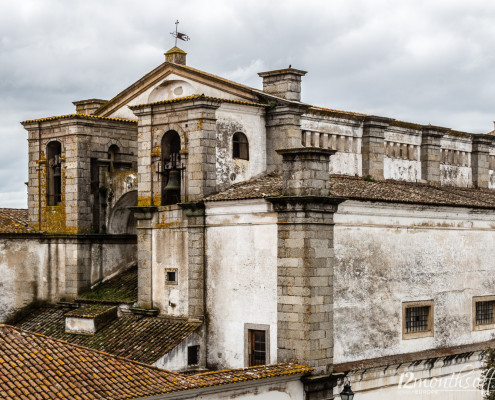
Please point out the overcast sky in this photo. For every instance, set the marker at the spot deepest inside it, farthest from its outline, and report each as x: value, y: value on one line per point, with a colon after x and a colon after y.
x: 418, y: 61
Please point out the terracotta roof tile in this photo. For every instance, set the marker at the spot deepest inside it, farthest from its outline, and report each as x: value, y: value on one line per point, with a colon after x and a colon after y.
x: 14, y: 220
x: 34, y: 366
x: 140, y: 338
x: 80, y: 116
x: 354, y: 188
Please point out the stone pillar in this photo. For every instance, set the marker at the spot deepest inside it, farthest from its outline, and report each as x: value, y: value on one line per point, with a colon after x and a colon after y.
x: 195, y: 213
x: 480, y: 160
x: 283, y: 131
x: 305, y: 260
x: 373, y: 149
x: 144, y: 217
x: 431, y: 153
x: 285, y: 83
x: 145, y: 195
x: 201, y: 161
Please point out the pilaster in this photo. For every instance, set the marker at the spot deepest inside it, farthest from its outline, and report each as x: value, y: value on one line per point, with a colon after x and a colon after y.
x: 480, y: 160
x: 373, y: 149
x: 431, y: 153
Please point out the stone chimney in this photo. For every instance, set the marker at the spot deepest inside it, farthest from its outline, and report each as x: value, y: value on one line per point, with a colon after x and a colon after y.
x: 88, y: 107
x: 176, y: 56
x: 306, y: 171
x: 285, y: 83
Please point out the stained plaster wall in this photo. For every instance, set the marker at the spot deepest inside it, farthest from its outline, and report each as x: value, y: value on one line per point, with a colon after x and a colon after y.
x: 170, y: 252
x: 335, y: 134
x: 176, y: 359
x: 388, y: 254
x: 448, y: 378
x: 233, y: 118
x: 40, y: 268
x: 172, y: 87
x: 402, y: 154
x: 241, y: 277
x: 455, y: 169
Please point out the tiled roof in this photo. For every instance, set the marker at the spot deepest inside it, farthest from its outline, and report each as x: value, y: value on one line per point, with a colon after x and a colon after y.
x: 14, y: 220
x: 200, y: 97
x: 140, y: 338
x: 123, y: 288
x: 80, y: 116
x: 346, y: 187
x: 34, y: 366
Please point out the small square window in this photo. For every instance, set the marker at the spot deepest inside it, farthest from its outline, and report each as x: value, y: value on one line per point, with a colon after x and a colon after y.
x: 171, y: 276
x: 483, y: 313
x: 417, y: 319
x: 192, y: 355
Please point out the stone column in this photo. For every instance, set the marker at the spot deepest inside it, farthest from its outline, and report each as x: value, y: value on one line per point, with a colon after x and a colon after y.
x: 283, y: 131
x: 144, y: 216
x: 305, y: 260
x: 373, y: 149
x: 195, y: 213
x: 480, y: 160
x: 431, y: 153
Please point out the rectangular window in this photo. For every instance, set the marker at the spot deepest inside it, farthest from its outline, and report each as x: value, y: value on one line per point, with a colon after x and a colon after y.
x: 257, y: 347
x: 256, y: 344
x: 171, y: 276
x: 192, y: 355
x: 483, y: 312
x: 417, y: 319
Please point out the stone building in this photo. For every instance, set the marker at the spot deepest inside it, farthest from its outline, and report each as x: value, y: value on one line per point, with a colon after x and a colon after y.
x: 356, y: 244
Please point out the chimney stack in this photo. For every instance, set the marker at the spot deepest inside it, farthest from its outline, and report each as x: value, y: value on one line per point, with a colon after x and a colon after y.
x: 285, y: 83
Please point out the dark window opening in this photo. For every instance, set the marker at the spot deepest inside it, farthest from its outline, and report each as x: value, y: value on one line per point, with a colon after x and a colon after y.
x: 171, y: 277
x: 192, y: 355
x: 171, y: 168
x: 417, y: 319
x: 257, y: 347
x: 240, y: 146
x: 484, y: 312
x: 113, y: 153
x: 54, y: 169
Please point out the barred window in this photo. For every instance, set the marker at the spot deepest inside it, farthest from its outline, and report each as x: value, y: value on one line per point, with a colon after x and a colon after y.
x: 257, y: 347
x: 483, y: 312
x: 417, y: 319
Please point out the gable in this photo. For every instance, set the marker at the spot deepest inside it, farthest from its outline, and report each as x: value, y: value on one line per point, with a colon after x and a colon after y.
x: 170, y: 81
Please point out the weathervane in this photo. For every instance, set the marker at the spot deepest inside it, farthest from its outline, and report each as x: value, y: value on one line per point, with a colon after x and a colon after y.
x: 178, y: 35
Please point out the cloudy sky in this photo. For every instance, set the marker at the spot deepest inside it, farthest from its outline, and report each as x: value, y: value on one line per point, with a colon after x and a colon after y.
x: 414, y: 60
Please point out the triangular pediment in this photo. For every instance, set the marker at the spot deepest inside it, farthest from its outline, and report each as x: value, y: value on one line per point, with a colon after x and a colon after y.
x: 169, y: 81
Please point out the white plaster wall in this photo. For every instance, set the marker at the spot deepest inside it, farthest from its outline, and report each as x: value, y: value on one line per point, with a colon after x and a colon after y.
x: 170, y: 252
x: 292, y: 390
x: 176, y: 359
x: 80, y: 325
x: 403, y: 170
x: 346, y: 163
x: 233, y: 118
x: 29, y: 271
x: 165, y: 90
x: 242, y: 277
x: 389, y: 254
x: 451, y: 175
x: 433, y: 379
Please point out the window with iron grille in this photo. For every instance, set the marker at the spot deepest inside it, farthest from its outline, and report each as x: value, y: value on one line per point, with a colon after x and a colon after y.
x: 417, y: 319
x: 483, y: 312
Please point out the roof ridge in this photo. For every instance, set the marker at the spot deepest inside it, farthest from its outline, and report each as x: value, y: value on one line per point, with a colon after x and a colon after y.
x: 79, y: 115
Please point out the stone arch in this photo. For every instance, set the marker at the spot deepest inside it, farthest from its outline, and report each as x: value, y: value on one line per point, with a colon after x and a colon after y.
x: 121, y: 220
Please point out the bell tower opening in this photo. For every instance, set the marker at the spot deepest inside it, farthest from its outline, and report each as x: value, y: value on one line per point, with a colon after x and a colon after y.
x: 171, y: 168
x: 54, y: 174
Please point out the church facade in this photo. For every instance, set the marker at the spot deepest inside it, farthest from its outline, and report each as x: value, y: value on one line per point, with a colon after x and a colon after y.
x: 347, y: 242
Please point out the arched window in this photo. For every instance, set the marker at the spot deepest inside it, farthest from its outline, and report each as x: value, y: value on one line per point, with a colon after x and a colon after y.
x: 113, y: 152
x: 171, y: 168
x: 54, y: 174
x: 240, y: 146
